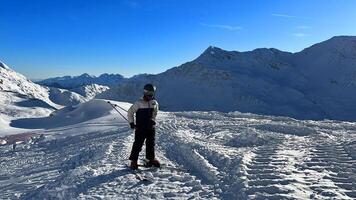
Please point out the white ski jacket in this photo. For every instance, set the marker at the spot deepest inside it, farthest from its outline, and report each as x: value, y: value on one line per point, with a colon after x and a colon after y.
x: 146, y: 112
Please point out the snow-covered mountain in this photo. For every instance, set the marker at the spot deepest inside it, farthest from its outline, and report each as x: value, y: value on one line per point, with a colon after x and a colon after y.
x: 21, y: 98
x: 90, y: 91
x: 70, y: 82
x: 65, y: 97
x: 17, y: 83
x: 316, y: 83
x: 330, y: 71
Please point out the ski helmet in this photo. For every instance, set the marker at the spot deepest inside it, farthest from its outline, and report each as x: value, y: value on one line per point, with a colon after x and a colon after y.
x: 149, y: 90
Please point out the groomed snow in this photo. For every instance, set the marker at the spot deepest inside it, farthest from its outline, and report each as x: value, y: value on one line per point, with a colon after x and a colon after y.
x: 206, y: 155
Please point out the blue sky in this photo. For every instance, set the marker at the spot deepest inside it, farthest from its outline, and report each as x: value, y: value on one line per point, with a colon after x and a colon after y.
x: 47, y: 38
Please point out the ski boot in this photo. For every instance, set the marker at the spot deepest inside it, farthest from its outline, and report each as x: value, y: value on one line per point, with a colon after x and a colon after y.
x: 134, y: 165
x: 152, y: 163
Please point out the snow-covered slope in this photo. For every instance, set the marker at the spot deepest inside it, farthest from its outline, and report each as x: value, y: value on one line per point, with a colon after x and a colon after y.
x: 15, y: 82
x: 330, y: 71
x: 204, y: 155
x: 14, y: 106
x: 21, y: 98
x: 70, y: 82
x: 67, y: 116
x: 316, y: 83
x: 90, y: 91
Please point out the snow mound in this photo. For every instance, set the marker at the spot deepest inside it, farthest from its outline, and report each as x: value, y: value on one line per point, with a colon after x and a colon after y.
x: 248, y: 138
x: 93, y: 109
x: 33, y: 103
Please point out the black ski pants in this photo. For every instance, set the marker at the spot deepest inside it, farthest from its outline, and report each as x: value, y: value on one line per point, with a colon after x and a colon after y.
x: 140, y: 136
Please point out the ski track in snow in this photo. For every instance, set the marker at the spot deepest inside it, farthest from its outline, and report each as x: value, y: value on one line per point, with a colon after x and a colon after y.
x: 206, y: 155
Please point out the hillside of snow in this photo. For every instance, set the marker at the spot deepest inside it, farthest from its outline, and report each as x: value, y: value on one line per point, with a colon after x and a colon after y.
x: 67, y: 116
x: 81, y: 152
x: 14, y: 82
x: 316, y: 83
x: 21, y: 98
x: 15, y: 106
x: 71, y: 82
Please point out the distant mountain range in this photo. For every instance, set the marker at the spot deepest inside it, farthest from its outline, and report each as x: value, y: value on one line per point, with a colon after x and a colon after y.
x: 316, y: 83
x: 70, y: 82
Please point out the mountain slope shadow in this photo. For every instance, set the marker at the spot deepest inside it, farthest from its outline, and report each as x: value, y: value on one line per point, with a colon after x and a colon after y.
x: 34, y: 103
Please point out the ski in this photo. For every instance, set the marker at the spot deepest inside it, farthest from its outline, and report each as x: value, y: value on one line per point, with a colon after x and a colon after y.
x: 139, y: 175
x: 164, y: 166
x: 174, y: 168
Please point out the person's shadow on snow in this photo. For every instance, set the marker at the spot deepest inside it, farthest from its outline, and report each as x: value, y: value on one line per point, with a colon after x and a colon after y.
x: 98, y: 180
x: 80, y: 188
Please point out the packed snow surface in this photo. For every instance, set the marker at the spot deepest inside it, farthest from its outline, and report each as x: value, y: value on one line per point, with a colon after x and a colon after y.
x: 205, y: 155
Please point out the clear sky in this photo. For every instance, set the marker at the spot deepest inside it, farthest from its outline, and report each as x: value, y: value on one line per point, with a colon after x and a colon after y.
x: 47, y: 38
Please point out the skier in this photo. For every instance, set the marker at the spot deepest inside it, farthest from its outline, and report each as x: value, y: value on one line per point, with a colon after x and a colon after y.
x: 146, y: 110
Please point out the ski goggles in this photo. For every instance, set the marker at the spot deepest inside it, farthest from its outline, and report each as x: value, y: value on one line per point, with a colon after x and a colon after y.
x: 148, y: 93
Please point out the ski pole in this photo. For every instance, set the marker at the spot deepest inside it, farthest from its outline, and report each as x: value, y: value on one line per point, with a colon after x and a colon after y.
x: 118, y: 111
x: 120, y: 107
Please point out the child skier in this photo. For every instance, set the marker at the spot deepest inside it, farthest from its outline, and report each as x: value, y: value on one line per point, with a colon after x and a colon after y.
x: 146, y: 110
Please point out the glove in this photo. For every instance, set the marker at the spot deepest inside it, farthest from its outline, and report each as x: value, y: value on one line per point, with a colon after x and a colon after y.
x: 132, y: 125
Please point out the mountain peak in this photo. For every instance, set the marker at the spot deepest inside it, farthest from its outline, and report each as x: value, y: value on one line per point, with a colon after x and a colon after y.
x: 343, y: 38
x: 212, y: 50
x: 86, y: 75
x: 107, y: 75
x: 340, y: 40
x: 345, y: 44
